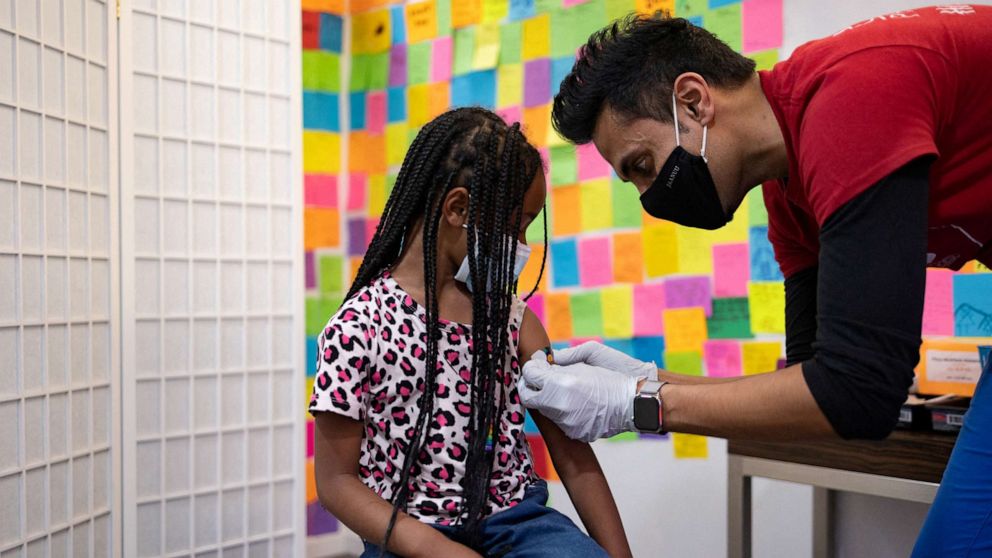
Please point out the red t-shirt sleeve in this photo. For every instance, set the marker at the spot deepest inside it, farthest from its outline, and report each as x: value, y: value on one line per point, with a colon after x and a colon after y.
x: 871, y: 113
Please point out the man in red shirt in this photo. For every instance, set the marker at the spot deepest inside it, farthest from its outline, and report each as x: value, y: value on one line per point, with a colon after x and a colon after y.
x: 875, y: 154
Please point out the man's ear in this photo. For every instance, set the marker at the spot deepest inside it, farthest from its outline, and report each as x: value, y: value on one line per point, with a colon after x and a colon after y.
x: 454, y: 208
x: 695, y: 100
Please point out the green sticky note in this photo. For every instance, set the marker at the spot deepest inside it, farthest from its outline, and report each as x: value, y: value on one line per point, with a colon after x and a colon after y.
x: 689, y: 8
x: 390, y: 182
x: 684, y: 362
x: 616, y: 9
x: 725, y: 23
x: 731, y: 319
x: 360, y: 73
x: 464, y: 45
x: 545, y: 6
x: 510, y: 45
x: 418, y: 62
x: 378, y: 70
x: 588, y: 18
x: 321, y: 71
x: 330, y: 275
x: 443, y: 18
x: 535, y: 232
x: 765, y: 59
x: 757, y: 215
x: 319, y: 309
x: 563, y: 24
x: 563, y: 168
x: 626, y: 205
x: 587, y: 314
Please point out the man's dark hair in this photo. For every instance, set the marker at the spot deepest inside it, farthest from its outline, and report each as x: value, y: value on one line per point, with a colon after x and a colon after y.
x: 631, y: 65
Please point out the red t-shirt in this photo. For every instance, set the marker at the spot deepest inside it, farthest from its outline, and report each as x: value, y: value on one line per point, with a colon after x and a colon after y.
x: 856, y: 106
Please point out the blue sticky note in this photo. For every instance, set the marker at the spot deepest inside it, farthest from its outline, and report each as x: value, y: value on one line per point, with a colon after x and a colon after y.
x: 396, y: 104
x: 650, y: 348
x: 625, y: 346
x: 696, y: 20
x: 763, y: 264
x: 474, y: 89
x: 320, y: 111
x: 521, y: 9
x: 560, y: 67
x: 330, y: 32
x: 397, y: 22
x: 564, y: 263
x: 714, y: 4
x: 311, y: 356
x: 973, y: 305
x: 560, y: 345
x: 358, y: 110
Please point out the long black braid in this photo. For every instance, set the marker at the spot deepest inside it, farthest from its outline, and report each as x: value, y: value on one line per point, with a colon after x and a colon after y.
x: 472, y: 148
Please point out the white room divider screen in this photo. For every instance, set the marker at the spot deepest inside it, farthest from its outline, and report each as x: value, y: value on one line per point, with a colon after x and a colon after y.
x: 150, y: 278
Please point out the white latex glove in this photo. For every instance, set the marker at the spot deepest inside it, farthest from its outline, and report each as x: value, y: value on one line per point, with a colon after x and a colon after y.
x: 598, y: 354
x: 587, y: 402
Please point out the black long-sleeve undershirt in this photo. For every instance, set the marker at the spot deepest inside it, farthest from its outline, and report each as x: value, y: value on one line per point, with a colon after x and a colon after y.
x: 854, y: 320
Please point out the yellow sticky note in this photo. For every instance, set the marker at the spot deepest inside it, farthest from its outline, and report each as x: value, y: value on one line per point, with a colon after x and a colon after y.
x: 759, y: 357
x: 509, y: 85
x: 767, y: 303
x: 651, y: 7
x: 734, y: 231
x: 465, y: 12
x: 597, y: 206
x: 321, y: 152
x: 685, y: 328
x: 537, y: 37
x: 495, y: 10
x: 486, y: 46
x: 421, y: 21
x: 618, y: 311
x: 695, y: 251
x: 566, y: 209
x: 689, y: 446
x: 661, y: 251
x: 418, y: 105
x: 377, y: 195
x: 554, y: 138
x: 628, y: 258
x: 558, y: 316
x: 397, y: 135
x: 370, y: 32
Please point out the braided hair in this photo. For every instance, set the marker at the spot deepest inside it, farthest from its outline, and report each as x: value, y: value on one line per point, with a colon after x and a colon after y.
x: 475, y: 149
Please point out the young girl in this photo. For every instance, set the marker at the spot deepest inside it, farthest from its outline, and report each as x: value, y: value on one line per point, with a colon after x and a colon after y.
x: 420, y: 445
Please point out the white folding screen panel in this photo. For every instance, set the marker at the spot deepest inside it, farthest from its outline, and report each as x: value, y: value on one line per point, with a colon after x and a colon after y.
x: 211, y: 272
x: 58, y: 269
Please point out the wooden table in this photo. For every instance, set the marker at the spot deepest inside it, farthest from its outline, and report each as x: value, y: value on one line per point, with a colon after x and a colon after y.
x: 907, y: 466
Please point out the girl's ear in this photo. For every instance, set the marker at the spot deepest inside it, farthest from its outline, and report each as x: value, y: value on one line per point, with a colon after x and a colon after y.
x: 454, y: 210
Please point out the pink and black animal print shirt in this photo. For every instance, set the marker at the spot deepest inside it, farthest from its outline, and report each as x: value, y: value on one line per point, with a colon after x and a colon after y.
x: 371, y: 368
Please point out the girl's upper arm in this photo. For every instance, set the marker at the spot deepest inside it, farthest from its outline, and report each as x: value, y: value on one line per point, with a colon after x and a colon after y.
x: 533, y: 336
x: 337, y: 445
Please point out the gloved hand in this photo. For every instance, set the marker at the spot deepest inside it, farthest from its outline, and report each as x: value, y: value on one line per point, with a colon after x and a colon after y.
x: 587, y: 402
x: 598, y: 354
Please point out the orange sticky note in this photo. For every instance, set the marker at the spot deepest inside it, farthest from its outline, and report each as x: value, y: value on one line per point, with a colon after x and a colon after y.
x: 528, y: 277
x: 321, y: 228
x: 558, y: 316
x: 438, y: 95
x: 689, y: 446
x: 628, y: 259
x: 535, y: 124
x: 421, y: 21
x: 660, y: 248
x: 566, y: 210
x: 367, y: 152
x: 311, y: 481
x: 327, y: 6
x: 760, y: 356
x: 354, y: 263
x: 685, y: 328
x: 465, y: 13
x: 650, y: 7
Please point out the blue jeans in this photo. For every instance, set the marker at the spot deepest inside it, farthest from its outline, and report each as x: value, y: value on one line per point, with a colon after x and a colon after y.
x: 528, y: 530
x: 959, y: 523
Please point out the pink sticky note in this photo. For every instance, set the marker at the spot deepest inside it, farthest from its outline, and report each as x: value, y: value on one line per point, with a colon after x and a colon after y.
x: 938, y: 304
x: 731, y: 269
x: 358, y: 187
x: 375, y: 112
x: 510, y: 114
x: 591, y: 163
x: 546, y: 159
x: 722, y: 358
x: 397, y: 65
x: 320, y: 190
x: 570, y: 3
x: 689, y: 292
x: 649, y: 301
x: 536, y: 305
x: 441, y: 62
x: 595, y: 267
x: 761, y: 23
x: 371, y: 224
x: 575, y: 342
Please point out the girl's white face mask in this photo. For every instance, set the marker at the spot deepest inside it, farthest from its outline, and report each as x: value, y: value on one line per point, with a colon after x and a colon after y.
x: 519, y: 261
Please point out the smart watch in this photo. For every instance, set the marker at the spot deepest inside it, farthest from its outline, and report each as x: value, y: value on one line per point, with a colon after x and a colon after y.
x: 648, y: 408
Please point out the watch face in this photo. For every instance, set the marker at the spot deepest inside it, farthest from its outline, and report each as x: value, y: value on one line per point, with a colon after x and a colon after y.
x: 646, y: 414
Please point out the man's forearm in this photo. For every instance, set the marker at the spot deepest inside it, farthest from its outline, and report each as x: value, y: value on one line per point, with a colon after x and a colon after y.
x: 676, y: 378
x: 773, y: 406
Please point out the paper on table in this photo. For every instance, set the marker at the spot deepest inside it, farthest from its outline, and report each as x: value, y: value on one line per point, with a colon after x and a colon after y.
x: 649, y: 302
x: 628, y: 257
x: 762, y: 24
x: 938, y: 304
x: 760, y: 356
x: 731, y: 269
x: 661, y: 252
x: 685, y: 328
x: 421, y: 21
x: 973, y: 305
x: 587, y: 314
x: 688, y: 292
x: 723, y: 358
x: 767, y: 303
x: 486, y: 46
x: 689, y: 446
x: 618, y: 304
x: 594, y: 257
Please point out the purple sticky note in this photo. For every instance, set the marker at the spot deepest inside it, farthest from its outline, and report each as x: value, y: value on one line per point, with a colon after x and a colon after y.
x: 356, y: 236
x: 310, y: 274
x: 731, y: 270
x: 537, y: 82
x: 649, y: 301
x: 358, y: 187
x: 595, y: 268
x: 375, y: 112
x: 689, y: 292
x: 723, y: 358
x: 319, y: 520
x: 441, y: 59
x: 761, y: 23
x: 591, y: 163
x: 397, y: 65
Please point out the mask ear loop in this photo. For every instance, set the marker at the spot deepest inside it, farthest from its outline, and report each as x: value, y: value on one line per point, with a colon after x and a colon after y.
x: 675, y: 120
x: 702, y: 151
